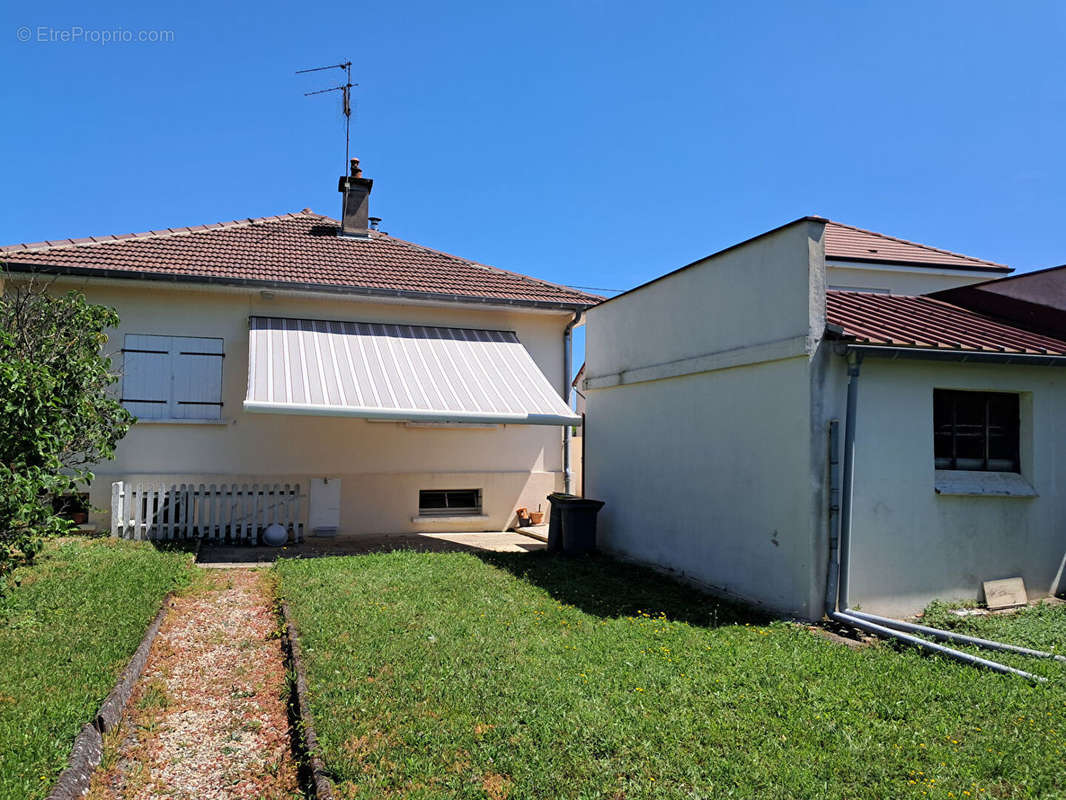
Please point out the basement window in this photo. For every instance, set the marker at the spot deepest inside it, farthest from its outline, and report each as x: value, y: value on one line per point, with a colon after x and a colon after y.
x: 449, y: 502
x: 977, y: 431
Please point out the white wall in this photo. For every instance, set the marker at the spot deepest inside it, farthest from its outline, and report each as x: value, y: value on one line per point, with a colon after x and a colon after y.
x: 911, y: 545
x: 898, y: 279
x: 382, y: 465
x: 698, y: 419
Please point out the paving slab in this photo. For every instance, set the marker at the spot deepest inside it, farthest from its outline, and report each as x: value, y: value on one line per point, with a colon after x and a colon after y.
x: 222, y: 556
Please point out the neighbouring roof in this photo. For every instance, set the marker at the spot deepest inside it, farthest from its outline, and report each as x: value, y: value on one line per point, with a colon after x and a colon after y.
x: 580, y: 374
x: 848, y: 243
x: 301, y: 249
x: 1035, y: 300
x: 925, y: 323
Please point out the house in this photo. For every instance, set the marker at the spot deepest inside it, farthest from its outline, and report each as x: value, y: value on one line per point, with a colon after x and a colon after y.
x: 728, y: 379
x: 399, y: 388
x: 579, y: 401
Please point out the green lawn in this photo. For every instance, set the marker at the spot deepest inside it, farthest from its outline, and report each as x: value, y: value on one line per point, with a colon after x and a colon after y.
x: 66, y: 632
x: 523, y: 676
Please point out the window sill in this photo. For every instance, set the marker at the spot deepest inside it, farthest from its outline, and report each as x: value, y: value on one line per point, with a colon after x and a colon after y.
x: 449, y: 518
x: 183, y: 422
x: 971, y: 483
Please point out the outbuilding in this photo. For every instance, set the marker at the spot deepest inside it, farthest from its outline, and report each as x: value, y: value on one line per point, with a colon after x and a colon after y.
x: 717, y: 408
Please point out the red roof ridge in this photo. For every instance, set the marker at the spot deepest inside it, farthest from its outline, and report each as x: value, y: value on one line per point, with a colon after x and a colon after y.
x: 61, y: 244
x: 916, y: 244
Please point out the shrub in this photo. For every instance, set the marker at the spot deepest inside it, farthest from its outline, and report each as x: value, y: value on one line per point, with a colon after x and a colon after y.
x: 59, y: 416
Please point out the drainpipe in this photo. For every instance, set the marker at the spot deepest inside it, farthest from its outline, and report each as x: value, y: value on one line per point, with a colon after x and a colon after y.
x: 568, y: 335
x: 832, y: 574
x: 839, y: 572
x: 848, y: 490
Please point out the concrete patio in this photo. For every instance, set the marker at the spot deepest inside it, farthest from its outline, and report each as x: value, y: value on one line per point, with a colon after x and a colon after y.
x: 230, y: 555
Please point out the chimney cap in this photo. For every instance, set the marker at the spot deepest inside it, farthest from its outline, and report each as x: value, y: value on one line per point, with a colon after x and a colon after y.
x: 355, y: 171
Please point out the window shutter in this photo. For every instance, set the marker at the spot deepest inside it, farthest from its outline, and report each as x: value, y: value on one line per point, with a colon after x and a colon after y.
x: 146, y: 376
x: 172, y: 377
x: 197, y: 370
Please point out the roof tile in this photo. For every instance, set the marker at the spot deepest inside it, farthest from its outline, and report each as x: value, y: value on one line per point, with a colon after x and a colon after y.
x: 300, y: 248
x: 922, y: 322
x: 855, y: 244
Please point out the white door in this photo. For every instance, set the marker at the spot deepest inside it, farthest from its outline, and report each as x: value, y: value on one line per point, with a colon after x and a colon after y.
x: 324, y: 515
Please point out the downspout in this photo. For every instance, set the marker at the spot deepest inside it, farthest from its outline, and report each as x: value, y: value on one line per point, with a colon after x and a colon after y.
x: 848, y: 490
x: 568, y: 334
x: 839, y: 572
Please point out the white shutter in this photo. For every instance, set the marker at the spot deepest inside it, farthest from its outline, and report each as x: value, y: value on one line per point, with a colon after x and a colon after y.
x: 172, y: 377
x: 197, y: 370
x: 146, y: 376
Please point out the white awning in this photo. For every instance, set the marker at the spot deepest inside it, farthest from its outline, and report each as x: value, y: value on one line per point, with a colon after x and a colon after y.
x: 397, y: 372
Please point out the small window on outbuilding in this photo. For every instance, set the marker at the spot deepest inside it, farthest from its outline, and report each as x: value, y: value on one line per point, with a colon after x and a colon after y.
x: 976, y: 430
x: 449, y: 502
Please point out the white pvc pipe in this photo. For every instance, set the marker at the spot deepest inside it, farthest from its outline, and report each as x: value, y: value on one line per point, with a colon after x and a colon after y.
x: 958, y: 655
x: 952, y: 636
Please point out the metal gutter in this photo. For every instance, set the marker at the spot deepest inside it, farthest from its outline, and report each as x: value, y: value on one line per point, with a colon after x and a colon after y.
x: 962, y: 356
x: 357, y: 291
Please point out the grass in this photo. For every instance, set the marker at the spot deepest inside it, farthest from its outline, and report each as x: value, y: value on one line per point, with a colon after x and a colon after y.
x: 523, y: 676
x: 67, y: 628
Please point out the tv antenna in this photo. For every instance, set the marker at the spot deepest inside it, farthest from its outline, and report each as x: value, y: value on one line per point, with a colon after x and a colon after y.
x: 346, y: 94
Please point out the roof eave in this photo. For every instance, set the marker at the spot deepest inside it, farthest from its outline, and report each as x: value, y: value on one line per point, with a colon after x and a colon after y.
x: 358, y: 291
x: 894, y: 352
x: 992, y: 268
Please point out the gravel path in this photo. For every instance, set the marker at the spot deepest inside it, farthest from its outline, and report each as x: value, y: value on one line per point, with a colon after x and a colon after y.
x: 208, y: 718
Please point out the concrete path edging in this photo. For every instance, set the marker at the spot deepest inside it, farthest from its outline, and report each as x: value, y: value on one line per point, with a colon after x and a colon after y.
x: 322, y: 784
x: 85, y: 755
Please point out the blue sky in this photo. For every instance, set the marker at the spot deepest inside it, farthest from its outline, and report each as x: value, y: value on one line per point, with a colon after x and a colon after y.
x: 589, y: 143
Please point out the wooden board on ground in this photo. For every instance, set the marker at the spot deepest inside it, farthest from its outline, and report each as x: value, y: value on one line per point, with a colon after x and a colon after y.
x: 1006, y: 593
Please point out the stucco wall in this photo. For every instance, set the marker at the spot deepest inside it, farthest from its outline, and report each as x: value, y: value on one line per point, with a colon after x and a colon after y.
x: 699, y: 474
x: 698, y: 415
x: 900, y: 280
x: 911, y: 545
x: 382, y: 465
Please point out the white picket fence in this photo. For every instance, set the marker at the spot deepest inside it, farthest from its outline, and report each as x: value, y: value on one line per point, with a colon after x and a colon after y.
x: 231, y: 512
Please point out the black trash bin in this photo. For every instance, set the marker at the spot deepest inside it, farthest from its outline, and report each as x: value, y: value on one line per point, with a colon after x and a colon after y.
x: 555, y: 521
x: 572, y: 525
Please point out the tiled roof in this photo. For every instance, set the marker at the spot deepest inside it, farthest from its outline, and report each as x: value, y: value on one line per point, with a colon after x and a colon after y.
x: 301, y: 248
x: 922, y: 322
x: 855, y: 244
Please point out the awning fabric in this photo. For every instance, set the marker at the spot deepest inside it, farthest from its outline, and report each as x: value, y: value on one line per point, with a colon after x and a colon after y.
x: 417, y: 373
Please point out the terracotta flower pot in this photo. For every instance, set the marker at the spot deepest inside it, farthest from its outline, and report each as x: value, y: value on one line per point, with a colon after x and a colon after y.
x: 537, y: 517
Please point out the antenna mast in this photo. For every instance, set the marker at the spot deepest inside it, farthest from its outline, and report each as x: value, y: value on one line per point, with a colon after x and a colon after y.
x: 346, y: 94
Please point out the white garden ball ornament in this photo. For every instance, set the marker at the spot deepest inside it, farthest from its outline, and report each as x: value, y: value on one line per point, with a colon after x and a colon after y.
x: 275, y: 535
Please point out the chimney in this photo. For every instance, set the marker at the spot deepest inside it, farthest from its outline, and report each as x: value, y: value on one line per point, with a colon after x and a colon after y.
x: 356, y: 191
